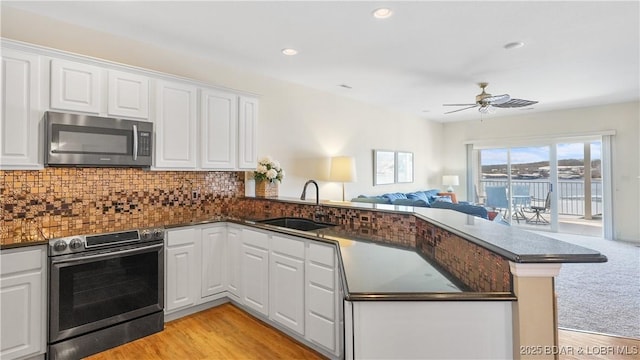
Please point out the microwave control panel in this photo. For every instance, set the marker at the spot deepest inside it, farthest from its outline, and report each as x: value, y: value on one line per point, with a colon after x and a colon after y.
x: 144, y: 143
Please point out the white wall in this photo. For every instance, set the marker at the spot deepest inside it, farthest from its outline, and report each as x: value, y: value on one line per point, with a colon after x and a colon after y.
x: 623, y: 118
x: 298, y: 126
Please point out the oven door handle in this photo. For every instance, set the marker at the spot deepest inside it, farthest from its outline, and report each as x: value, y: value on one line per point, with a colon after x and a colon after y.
x: 108, y: 254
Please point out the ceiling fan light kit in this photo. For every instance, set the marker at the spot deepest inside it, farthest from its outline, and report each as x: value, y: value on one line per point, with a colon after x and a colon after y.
x: 486, y: 103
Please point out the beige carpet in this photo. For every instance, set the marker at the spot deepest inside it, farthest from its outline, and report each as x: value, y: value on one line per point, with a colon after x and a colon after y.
x: 602, y: 298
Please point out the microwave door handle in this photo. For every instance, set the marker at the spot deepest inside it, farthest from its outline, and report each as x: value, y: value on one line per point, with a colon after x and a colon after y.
x: 135, y: 142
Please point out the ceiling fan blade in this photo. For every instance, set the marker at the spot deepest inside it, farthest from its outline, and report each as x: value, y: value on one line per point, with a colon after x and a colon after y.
x: 459, y: 104
x: 470, y: 107
x: 497, y: 99
x: 514, y: 103
x: 487, y: 109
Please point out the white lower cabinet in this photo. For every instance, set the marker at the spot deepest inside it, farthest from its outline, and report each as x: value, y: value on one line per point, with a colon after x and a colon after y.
x: 323, y: 298
x: 195, y: 266
x: 234, y: 257
x: 286, y: 282
x: 181, y: 269
x: 23, y: 286
x: 214, y: 264
x: 255, y: 271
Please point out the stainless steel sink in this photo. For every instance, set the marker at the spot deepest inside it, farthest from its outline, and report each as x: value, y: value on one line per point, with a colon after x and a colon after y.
x: 296, y: 223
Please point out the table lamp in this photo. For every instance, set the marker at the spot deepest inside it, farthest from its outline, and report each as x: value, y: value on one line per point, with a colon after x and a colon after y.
x: 343, y: 169
x: 450, y: 181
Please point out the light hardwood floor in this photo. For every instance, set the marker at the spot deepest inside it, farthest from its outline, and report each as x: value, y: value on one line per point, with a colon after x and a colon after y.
x: 576, y: 345
x: 223, y: 332
x: 226, y: 332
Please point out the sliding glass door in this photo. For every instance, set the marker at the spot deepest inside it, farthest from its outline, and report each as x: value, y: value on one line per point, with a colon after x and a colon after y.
x: 580, y: 187
x: 556, y: 186
x: 516, y: 182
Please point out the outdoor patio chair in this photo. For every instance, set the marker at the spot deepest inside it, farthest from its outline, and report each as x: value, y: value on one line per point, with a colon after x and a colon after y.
x: 537, y: 211
x: 521, y: 199
x: 496, y: 198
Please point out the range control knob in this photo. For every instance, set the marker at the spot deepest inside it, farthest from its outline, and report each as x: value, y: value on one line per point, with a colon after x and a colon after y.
x: 75, y: 244
x: 60, y: 245
x: 158, y: 233
x: 145, y: 235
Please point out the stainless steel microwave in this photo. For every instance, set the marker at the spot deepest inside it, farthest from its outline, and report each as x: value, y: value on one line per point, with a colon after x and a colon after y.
x: 85, y: 140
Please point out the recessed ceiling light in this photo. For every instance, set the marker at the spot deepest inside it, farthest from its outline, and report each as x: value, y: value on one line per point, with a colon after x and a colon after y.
x: 514, y: 45
x: 289, y: 51
x: 382, y: 13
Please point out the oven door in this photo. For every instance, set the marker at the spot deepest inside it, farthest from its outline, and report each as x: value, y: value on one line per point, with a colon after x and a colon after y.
x: 97, y: 289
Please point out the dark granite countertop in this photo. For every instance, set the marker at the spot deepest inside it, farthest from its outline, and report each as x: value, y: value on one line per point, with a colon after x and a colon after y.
x: 374, y: 271
x: 512, y: 243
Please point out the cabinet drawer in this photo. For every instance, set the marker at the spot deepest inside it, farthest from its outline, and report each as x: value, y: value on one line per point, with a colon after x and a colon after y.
x: 321, y: 302
x: 322, y: 254
x: 321, y: 275
x: 287, y: 246
x: 21, y: 261
x: 181, y: 236
x: 321, y: 331
x: 256, y: 239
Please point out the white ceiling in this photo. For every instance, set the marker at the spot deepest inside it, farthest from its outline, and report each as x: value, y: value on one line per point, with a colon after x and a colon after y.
x: 428, y: 53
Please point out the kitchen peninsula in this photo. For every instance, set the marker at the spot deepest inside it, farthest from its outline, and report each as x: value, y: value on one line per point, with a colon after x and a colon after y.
x: 431, y: 273
x: 494, y: 265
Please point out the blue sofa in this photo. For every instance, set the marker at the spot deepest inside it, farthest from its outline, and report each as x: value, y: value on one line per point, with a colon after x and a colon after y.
x: 428, y: 198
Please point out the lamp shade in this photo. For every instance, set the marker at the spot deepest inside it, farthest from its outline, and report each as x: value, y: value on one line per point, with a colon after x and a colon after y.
x: 450, y: 180
x: 343, y: 169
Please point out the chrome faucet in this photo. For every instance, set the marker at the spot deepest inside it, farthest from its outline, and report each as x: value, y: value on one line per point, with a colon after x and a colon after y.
x: 304, y: 191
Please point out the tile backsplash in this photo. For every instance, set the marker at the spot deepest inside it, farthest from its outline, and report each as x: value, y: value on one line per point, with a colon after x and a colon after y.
x: 65, y: 201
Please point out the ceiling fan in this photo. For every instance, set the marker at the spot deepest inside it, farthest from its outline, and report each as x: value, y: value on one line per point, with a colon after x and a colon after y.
x: 486, y: 102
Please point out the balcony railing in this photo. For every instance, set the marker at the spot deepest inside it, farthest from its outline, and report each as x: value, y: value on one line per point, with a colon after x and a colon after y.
x: 571, y: 194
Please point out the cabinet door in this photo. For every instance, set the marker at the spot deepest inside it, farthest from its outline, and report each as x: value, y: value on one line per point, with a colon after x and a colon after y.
x: 214, y: 254
x: 286, y: 283
x: 182, y: 275
x: 175, y: 128
x: 128, y: 95
x: 234, y: 258
x: 247, y: 128
x: 255, y: 271
x: 23, y: 303
x: 19, y: 135
x: 75, y: 86
x: 219, y: 119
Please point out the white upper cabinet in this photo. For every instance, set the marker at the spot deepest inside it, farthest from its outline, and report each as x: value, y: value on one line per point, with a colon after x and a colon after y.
x: 175, y: 125
x: 21, y: 113
x: 219, y: 129
x: 76, y: 86
x: 248, y: 126
x: 128, y: 95
x: 197, y: 126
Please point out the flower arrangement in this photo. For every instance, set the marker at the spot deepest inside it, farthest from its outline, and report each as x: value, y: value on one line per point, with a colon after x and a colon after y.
x: 268, y: 170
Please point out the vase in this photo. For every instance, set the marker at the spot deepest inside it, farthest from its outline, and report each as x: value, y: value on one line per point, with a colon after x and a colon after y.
x: 266, y: 189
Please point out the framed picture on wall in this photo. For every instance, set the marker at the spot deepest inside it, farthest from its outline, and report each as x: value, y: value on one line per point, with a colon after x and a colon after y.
x: 404, y: 167
x: 384, y: 167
